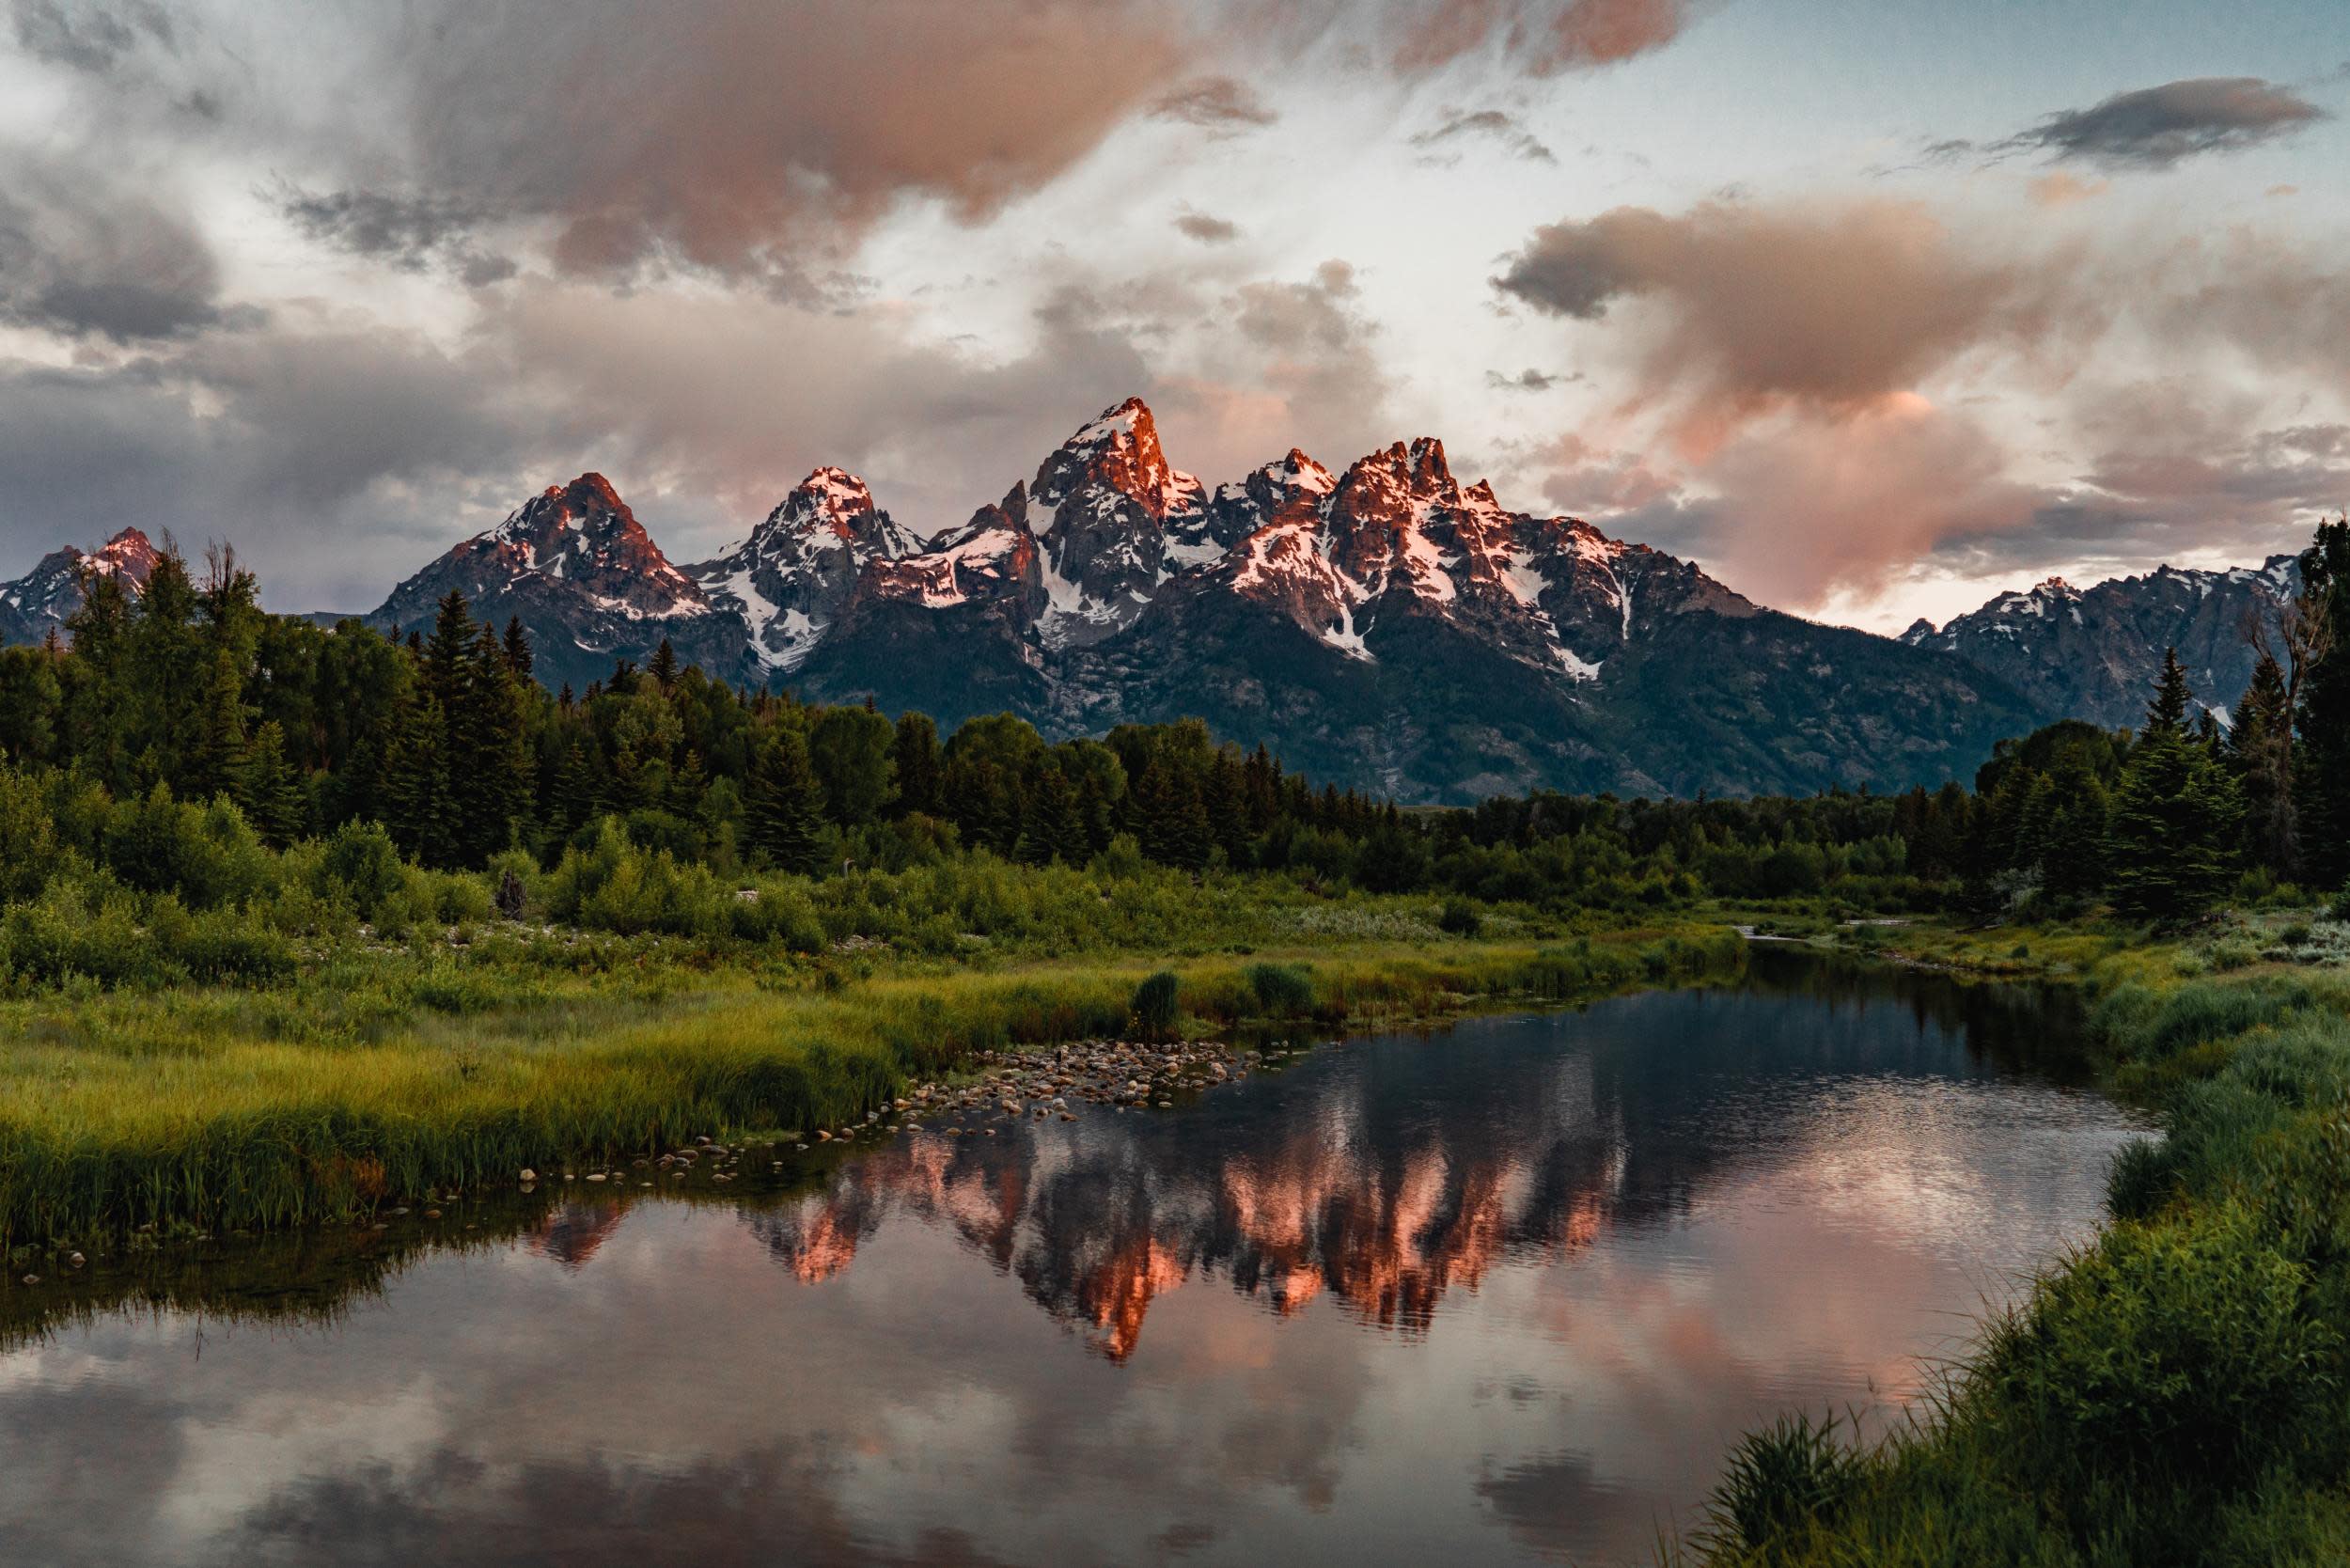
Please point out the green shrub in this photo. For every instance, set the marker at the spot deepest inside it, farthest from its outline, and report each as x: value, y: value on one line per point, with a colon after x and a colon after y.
x: 363, y: 864
x: 222, y: 945
x: 2177, y: 1359
x: 2141, y: 1179
x: 1460, y: 917
x: 80, y: 926
x: 1282, y: 990
x: 2141, y: 1022
x: 1154, y: 1008
x: 28, y: 836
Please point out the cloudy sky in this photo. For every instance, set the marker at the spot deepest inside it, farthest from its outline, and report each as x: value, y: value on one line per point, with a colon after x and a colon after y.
x: 1875, y: 307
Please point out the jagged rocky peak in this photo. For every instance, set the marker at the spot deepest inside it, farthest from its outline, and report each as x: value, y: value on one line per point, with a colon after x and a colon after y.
x: 1118, y: 454
x: 1417, y: 472
x: 797, y: 571
x: 584, y: 533
x: 836, y: 502
x: 49, y: 593
x: 578, y: 542
x: 829, y: 513
x: 1288, y: 489
x: 1116, y: 520
x: 129, y: 555
x: 2087, y: 652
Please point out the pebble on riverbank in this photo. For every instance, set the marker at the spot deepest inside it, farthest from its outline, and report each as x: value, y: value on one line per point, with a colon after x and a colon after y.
x: 1054, y: 1082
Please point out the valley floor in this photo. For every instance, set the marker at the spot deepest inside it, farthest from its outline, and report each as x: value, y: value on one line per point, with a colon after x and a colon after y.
x: 2177, y: 1392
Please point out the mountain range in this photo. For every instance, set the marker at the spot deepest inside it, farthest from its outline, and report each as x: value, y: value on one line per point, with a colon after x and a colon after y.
x: 1386, y: 626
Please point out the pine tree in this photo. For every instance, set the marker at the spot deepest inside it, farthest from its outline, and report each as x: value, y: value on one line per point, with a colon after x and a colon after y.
x: 663, y: 667
x: 415, y: 783
x: 2073, y: 836
x: 2168, y: 712
x: 489, y: 765
x: 518, y: 655
x: 575, y: 787
x: 913, y: 751
x: 445, y: 652
x: 1225, y: 803
x: 687, y: 784
x: 2260, y: 754
x: 2322, y: 761
x: 1050, y: 827
x: 787, y: 806
x: 269, y: 791
x: 2173, y: 830
x: 850, y: 749
x: 220, y: 746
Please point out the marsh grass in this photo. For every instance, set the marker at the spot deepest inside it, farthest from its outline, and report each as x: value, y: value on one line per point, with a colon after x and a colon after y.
x: 383, y: 1076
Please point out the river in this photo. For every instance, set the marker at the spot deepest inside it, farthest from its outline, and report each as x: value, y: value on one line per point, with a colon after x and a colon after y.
x: 1501, y: 1294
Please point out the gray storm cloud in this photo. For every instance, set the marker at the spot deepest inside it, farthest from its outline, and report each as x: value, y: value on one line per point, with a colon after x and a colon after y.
x: 82, y: 254
x: 2155, y: 127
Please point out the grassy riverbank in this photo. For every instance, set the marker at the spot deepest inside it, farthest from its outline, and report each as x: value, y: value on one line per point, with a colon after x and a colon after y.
x: 386, y: 1071
x: 2179, y: 1391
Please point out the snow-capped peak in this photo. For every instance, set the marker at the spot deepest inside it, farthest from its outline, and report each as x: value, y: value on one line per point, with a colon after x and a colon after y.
x: 1117, y: 454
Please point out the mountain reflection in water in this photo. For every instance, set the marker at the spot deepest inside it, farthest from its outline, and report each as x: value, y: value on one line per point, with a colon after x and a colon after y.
x: 1504, y: 1293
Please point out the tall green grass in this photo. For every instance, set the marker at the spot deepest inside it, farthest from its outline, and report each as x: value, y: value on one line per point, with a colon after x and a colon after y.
x: 235, y: 1109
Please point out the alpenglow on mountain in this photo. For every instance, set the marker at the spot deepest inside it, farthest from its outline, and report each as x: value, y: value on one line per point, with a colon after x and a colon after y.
x: 1385, y: 626
x: 39, y: 601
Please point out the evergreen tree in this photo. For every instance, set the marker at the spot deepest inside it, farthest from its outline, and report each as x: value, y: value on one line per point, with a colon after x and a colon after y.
x: 269, y: 791
x: 1225, y: 803
x: 575, y: 787
x: 663, y: 667
x: 915, y: 760
x: 518, y: 655
x: 415, y: 783
x: 850, y: 749
x: 787, y: 806
x: 445, y: 652
x: 2168, y: 712
x: 1050, y: 827
x: 2322, y: 759
x: 688, y: 786
x: 2073, y: 833
x: 2173, y: 831
x: 2260, y: 754
x: 489, y: 765
x: 1174, y: 818
x: 220, y: 751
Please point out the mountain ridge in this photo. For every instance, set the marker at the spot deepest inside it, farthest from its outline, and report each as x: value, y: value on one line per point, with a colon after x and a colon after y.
x: 1385, y: 625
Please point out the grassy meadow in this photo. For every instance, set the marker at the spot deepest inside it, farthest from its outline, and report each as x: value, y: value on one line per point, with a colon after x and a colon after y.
x: 371, y: 1069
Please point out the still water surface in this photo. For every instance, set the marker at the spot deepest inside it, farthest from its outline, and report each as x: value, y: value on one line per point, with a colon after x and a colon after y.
x: 1501, y: 1295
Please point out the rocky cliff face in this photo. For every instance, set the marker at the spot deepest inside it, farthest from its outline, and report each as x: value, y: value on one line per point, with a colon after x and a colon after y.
x: 2092, y: 652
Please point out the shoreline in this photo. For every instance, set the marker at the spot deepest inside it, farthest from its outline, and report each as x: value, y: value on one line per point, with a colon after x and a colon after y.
x: 255, y: 1131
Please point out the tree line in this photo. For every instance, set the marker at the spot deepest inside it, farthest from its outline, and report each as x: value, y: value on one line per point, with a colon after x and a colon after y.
x: 188, y: 691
